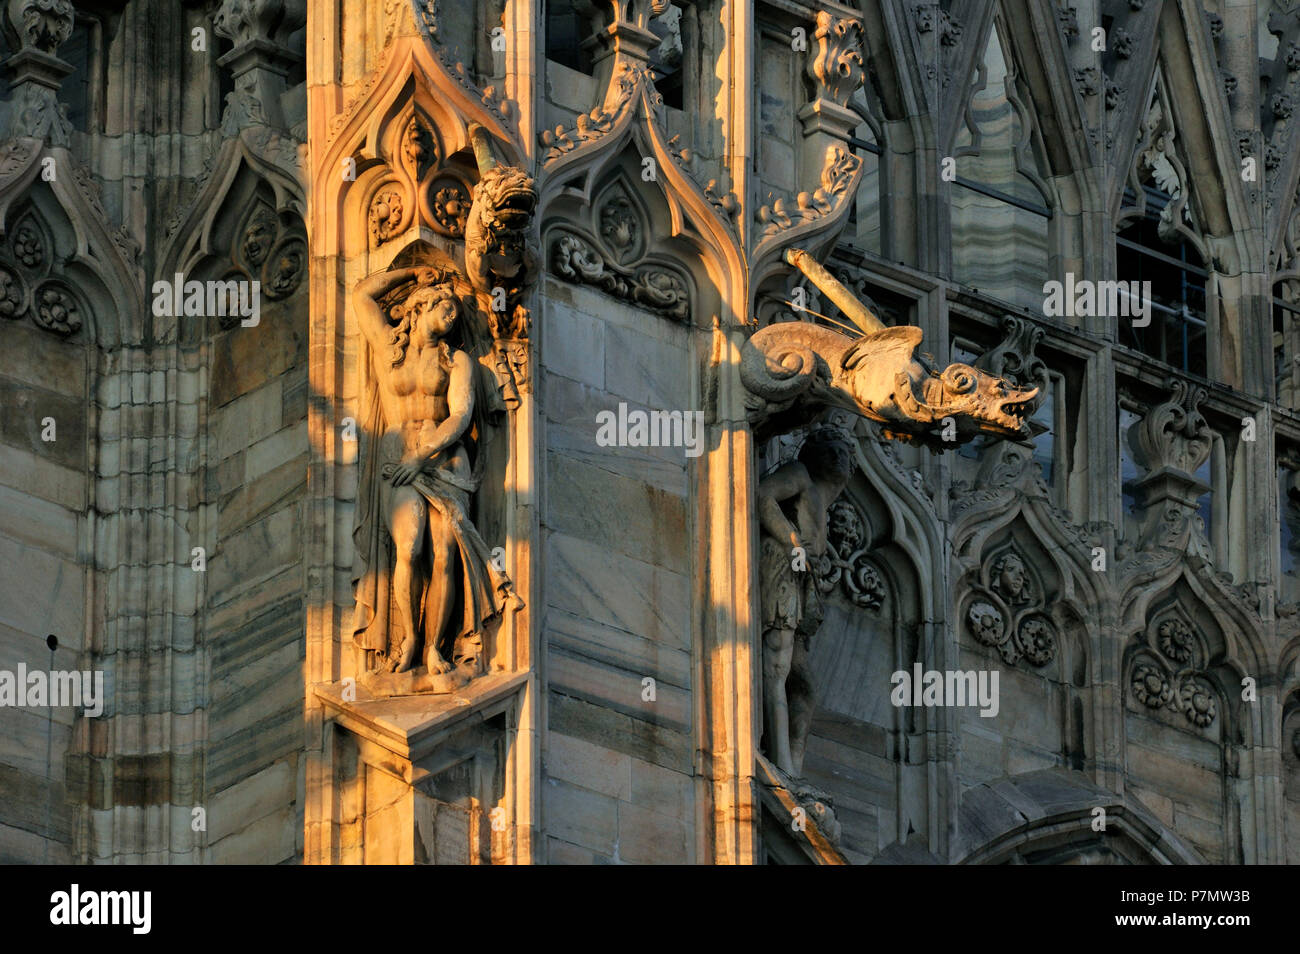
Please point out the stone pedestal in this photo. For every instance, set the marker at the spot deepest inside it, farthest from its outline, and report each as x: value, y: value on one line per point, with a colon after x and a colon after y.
x: 421, y: 779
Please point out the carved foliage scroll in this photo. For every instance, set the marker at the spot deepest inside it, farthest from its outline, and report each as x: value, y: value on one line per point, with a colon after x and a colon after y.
x: 838, y: 180
x: 837, y: 66
x: 611, y: 252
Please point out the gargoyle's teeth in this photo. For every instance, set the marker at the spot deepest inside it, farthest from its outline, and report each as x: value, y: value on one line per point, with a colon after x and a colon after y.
x: 1017, y: 409
x: 521, y: 201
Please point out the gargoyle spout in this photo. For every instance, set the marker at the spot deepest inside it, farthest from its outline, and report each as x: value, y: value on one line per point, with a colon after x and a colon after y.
x: 798, y: 368
x: 785, y: 361
x: 890, y: 385
x: 497, y: 255
x: 498, y: 218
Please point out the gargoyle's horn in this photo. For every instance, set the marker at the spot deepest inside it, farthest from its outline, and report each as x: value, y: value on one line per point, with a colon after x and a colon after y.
x: 478, y: 137
x: 853, y: 309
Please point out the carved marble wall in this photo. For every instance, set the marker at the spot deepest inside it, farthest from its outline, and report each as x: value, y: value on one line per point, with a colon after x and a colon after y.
x: 654, y: 217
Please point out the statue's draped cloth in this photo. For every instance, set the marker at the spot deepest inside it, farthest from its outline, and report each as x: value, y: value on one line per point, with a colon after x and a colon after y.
x: 790, y: 599
x: 483, y: 588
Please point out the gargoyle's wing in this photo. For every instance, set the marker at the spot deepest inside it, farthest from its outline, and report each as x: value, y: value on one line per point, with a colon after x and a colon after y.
x: 891, y: 348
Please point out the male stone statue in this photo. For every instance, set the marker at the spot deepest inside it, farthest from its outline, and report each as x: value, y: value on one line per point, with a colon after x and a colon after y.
x: 792, y: 505
x: 420, y: 555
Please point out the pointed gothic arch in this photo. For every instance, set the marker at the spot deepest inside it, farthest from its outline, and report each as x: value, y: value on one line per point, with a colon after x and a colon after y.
x: 625, y: 138
x: 1187, y: 650
x: 1006, y: 174
x: 246, y: 224
x: 1050, y: 817
x: 88, y: 261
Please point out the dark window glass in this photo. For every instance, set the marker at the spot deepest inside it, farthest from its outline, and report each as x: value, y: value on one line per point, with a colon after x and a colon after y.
x: 1289, y: 509
x: 1177, y: 332
x: 1128, y: 468
x: 76, y: 88
x: 565, y: 31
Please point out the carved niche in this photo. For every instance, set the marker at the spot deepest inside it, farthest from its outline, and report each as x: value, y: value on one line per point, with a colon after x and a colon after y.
x: 1169, y: 670
x: 1008, y: 610
x: 430, y: 595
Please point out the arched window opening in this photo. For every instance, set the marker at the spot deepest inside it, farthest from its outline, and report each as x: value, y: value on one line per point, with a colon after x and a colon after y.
x: 1176, y: 334
x: 865, y: 222
x: 77, y: 89
x: 1158, y: 241
x: 668, y: 59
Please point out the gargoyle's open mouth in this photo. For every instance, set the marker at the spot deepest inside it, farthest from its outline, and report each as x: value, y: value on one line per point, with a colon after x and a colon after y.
x: 1012, y: 413
x: 514, y: 209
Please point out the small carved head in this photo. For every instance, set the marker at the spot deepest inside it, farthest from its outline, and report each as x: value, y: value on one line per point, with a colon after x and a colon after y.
x: 1009, y: 578
x: 505, y: 198
x: 828, y: 455
x: 258, y: 237
x: 430, y: 311
x: 845, y: 526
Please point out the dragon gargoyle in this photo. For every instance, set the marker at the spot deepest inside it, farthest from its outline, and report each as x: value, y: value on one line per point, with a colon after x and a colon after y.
x: 497, y: 255
x: 795, y: 369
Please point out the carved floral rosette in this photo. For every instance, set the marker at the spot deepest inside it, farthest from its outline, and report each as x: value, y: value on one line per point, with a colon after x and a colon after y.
x: 1007, y: 611
x: 430, y: 180
x: 845, y: 563
x: 28, y: 287
x: 423, y: 184
x: 270, y: 248
x: 1168, y: 672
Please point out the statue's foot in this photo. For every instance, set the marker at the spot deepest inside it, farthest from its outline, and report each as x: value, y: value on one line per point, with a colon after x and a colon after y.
x: 434, y: 662
x: 406, y: 658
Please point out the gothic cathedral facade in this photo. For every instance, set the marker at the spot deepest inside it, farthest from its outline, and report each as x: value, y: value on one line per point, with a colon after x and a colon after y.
x: 649, y: 431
